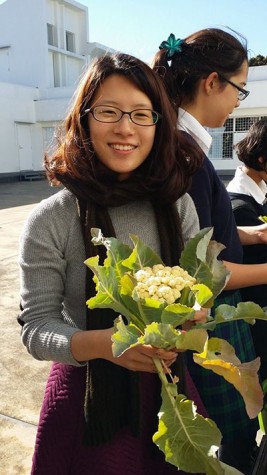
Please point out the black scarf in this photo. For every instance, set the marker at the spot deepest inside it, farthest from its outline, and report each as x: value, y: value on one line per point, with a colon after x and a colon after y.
x: 112, y: 392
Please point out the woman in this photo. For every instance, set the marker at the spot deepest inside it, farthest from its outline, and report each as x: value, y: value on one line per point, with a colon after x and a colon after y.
x: 205, y: 75
x: 247, y: 192
x: 118, y: 161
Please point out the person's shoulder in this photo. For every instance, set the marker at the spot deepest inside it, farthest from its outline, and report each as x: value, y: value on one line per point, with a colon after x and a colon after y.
x: 59, y: 206
x: 243, y: 201
x: 185, y: 203
x: 61, y: 199
x: 184, y: 199
x: 206, y: 174
x: 207, y: 167
x: 188, y: 215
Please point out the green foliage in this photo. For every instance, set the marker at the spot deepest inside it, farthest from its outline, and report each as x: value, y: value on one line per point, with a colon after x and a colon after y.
x: 185, y: 436
x: 188, y: 440
x: 258, y: 60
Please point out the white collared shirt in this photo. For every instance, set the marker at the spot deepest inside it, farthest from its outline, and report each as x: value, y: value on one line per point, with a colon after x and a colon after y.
x: 189, y: 124
x: 242, y: 183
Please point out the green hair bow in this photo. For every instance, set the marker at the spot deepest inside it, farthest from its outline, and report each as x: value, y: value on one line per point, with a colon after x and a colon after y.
x: 172, y: 45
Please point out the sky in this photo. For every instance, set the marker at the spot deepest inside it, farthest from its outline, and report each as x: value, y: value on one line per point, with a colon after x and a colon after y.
x: 138, y: 27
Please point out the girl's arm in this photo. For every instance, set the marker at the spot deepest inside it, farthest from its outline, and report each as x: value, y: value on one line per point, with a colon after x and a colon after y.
x: 245, y: 275
x: 253, y: 234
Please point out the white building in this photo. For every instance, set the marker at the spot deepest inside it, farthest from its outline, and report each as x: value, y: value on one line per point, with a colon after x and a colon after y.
x: 250, y: 110
x: 43, y: 50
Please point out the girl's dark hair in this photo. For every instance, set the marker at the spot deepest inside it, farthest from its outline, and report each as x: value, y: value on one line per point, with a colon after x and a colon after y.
x: 167, y: 169
x: 206, y: 51
x: 253, y: 146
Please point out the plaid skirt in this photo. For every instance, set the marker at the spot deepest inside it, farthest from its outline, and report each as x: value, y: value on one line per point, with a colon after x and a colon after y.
x: 223, y: 402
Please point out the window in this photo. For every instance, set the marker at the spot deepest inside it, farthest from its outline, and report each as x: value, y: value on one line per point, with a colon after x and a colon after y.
x: 222, y: 141
x: 242, y: 124
x: 49, y: 140
x: 56, y: 70
x: 224, y: 137
x: 227, y: 149
x: 70, y: 41
x: 52, y: 35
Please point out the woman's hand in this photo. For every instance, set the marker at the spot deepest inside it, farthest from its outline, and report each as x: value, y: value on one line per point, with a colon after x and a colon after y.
x: 140, y: 358
x: 92, y: 344
x: 200, y: 317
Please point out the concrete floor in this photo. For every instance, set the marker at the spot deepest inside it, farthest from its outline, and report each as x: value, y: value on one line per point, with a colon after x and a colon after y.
x: 22, y: 378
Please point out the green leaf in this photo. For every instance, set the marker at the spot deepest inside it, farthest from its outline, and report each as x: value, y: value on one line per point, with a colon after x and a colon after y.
x: 176, y: 314
x: 141, y: 256
x: 220, y: 274
x: 248, y: 311
x: 203, y: 294
x: 109, y: 291
x: 124, y: 337
x: 194, y: 339
x: 185, y: 437
x: 219, y: 356
x: 116, y: 250
x: 194, y: 255
x: 165, y: 336
x: 127, y: 284
x: 148, y: 310
x: 160, y: 335
x: 107, y: 286
x: 199, y: 258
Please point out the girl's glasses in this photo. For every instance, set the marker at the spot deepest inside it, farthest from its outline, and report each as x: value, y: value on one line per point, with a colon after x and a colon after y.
x: 108, y: 114
x: 242, y: 93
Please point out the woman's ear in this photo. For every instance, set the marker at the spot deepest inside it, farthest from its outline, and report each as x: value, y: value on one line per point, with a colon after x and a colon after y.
x: 211, y: 83
x: 262, y: 163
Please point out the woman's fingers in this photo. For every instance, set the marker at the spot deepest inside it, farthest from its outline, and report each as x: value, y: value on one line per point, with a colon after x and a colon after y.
x: 140, y: 358
x: 201, y: 315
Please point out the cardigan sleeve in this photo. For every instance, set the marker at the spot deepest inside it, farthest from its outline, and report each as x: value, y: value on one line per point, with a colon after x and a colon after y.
x: 48, y: 277
x: 188, y: 216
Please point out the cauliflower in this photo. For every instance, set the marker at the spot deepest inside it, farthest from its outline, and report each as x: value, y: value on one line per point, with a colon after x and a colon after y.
x: 162, y: 283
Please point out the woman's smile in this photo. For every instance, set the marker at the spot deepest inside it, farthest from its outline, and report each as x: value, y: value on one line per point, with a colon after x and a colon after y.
x: 121, y: 146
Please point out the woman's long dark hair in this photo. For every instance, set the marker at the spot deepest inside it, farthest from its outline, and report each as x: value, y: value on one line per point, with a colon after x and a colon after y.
x: 206, y: 51
x: 254, y: 146
x: 172, y: 161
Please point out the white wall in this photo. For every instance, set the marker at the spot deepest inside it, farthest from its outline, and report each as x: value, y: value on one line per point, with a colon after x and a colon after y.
x: 29, y: 102
x: 17, y: 103
x: 22, y: 28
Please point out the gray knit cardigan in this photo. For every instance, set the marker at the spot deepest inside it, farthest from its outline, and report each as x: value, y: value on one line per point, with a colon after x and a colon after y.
x: 53, y: 272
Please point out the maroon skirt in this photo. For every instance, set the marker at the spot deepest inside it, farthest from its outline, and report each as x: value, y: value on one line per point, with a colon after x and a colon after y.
x: 59, y: 448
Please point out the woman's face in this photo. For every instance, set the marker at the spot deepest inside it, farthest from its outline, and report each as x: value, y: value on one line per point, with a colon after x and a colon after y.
x: 121, y: 146
x: 223, y: 99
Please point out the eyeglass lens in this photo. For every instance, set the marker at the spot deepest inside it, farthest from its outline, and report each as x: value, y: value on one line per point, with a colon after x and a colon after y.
x: 113, y: 114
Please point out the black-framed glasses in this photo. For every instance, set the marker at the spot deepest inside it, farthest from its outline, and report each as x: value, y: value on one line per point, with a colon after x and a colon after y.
x: 108, y: 114
x: 242, y: 93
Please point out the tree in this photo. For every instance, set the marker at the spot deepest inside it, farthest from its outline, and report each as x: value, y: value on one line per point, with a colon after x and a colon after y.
x: 258, y: 60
